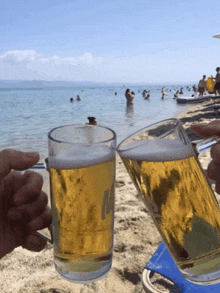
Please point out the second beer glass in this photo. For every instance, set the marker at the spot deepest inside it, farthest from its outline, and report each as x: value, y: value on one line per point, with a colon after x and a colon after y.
x: 82, y: 174
x: 166, y: 172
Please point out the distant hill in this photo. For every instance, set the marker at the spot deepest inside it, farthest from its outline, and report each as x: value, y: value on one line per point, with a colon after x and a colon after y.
x: 40, y: 83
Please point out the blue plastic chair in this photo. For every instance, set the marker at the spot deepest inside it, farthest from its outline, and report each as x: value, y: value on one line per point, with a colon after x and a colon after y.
x: 162, y: 263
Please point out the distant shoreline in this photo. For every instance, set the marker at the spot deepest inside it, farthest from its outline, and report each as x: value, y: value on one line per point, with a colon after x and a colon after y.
x: 29, y: 84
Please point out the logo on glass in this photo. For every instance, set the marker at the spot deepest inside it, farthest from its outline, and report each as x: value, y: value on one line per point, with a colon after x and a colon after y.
x: 108, y: 202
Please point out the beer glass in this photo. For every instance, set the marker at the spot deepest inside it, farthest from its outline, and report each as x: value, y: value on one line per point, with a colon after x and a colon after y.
x: 81, y: 164
x: 165, y: 170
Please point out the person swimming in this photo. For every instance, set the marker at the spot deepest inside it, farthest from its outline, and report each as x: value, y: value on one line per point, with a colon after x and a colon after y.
x: 92, y: 121
x: 147, y: 97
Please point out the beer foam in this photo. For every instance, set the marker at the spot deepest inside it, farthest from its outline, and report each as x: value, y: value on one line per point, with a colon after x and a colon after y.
x: 157, y: 150
x: 81, y: 156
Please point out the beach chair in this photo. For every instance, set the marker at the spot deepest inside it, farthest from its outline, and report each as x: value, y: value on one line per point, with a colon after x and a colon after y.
x: 162, y: 264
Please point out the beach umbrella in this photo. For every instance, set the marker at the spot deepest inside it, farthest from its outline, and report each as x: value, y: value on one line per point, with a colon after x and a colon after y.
x: 217, y: 36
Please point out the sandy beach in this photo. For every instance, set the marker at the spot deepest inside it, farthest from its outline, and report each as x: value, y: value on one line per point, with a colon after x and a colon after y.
x: 135, y: 238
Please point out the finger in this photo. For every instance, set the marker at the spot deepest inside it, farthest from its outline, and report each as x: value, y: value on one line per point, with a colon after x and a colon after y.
x: 12, y: 182
x: 213, y: 171
x: 7, y: 188
x: 34, y: 242
x: 41, y: 222
x: 207, y: 130
x: 11, y: 159
x: 30, y: 190
x: 11, y: 241
x: 29, y: 212
x: 215, y: 153
x: 21, y: 232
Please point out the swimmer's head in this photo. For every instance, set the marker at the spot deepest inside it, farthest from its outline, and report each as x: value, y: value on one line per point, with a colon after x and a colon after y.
x: 92, y: 120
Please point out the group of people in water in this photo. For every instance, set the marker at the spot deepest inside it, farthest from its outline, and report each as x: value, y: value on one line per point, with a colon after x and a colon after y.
x: 211, y: 84
x: 204, y: 85
x: 78, y: 98
x: 146, y: 94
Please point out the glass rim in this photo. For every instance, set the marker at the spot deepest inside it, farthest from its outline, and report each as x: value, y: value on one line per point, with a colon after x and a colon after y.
x: 178, y: 122
x: 78, y: 124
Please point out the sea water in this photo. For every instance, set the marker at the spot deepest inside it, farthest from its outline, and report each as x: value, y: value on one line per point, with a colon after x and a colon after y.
x: 27, y: 115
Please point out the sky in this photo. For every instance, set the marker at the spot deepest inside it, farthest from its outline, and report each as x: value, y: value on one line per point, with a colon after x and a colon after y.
x: 132, y: 41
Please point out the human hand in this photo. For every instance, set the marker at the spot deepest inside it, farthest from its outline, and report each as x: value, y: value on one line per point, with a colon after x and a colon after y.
x: 23, y: 205
x: 209, y: 130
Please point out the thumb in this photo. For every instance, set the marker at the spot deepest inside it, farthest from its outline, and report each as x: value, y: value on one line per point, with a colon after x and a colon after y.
x: 11, y: 159
x: 207, y: 130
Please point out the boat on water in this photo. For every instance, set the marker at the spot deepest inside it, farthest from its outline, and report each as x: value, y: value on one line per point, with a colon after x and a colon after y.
x: 196, y: 99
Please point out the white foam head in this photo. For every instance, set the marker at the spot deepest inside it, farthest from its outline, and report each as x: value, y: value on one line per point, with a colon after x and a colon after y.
x: 81, y: 156
x: 157, y: 150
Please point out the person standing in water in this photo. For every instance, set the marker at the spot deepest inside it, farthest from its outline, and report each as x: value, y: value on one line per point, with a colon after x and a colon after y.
x: 202, y: 85
x: 164, y: 94
x: 129, y: 97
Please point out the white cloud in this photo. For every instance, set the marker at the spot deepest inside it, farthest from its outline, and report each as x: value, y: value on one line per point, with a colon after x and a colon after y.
x: 167, y: 66
x: 52, y: 67
x: 18, y: 56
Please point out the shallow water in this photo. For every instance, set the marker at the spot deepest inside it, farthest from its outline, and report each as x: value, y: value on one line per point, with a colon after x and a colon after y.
x: 27, y: 115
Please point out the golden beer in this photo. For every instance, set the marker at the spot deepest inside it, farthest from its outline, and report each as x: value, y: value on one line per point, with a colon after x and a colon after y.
x: 82, y: 196
x: 183, y: 206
